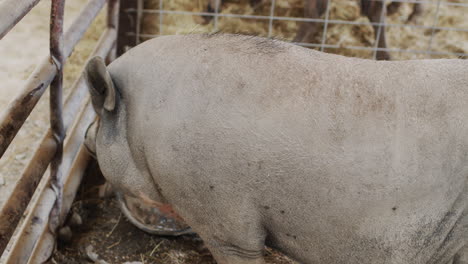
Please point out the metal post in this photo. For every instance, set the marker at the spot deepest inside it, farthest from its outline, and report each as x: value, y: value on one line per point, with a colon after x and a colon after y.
x: 113, y: 23
x: 127, y: 25
x: 12, y: 11
x: 56, y: 121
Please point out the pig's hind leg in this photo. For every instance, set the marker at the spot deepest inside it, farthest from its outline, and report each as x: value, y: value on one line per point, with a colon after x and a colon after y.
x: 232, y: 254
x: 237, y: 237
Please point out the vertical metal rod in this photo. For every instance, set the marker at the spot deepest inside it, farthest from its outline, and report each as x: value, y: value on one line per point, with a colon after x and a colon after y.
x: 436, y: 21
x: 112, y: 22
x: 56, y: 121
x: 325, y: 27
x: 217, y: 6
x: 126, y: 25
x: 112, y: 9
x: 138, y: 20
x: 272, y: 14
x: 161, y: 6
x: 381, y: 27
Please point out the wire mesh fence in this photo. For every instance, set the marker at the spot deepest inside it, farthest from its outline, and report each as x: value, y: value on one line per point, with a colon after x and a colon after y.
x: 378, y: 29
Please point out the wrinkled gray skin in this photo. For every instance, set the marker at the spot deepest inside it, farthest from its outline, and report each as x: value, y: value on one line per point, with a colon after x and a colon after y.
x: 254, y: 141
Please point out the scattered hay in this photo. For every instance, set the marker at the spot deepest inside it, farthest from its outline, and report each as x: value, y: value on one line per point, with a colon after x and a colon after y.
x: 102, y: 236
x: 415, y: 39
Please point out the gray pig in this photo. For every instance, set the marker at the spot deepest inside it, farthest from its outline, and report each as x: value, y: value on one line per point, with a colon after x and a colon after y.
x: 259, y: 142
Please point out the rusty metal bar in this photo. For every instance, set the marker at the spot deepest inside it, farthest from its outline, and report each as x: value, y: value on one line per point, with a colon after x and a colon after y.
x: 40, y: 204
x: 12, y: 11
x: 46, y: 242
x: 112, y: 22
x: 19, y: 109
x: 33, y: 242
x: 139, y: 16
x: 56, y: 97
x: 127, y: 23
x: 112, y: 14
x: 13, y: 209
x: 25, y: 187
x: 46, y: 238
x: 77, y: 29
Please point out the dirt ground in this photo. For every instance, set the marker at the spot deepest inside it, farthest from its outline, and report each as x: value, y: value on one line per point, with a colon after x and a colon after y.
x: 115, y: 240
x: 107, y: 237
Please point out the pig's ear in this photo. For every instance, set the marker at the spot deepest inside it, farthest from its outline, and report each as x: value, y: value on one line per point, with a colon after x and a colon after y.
x: 100, y: 85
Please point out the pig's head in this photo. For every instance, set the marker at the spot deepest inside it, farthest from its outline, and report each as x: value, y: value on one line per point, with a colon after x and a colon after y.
x: 107, y: 138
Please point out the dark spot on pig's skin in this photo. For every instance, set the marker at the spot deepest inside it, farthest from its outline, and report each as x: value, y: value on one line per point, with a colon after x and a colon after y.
x: 241, y: 85
x: 394, y: 208
x: 266, y: 207
x: 282, y: 211
x: 260, y: 165
x: 211, y: 187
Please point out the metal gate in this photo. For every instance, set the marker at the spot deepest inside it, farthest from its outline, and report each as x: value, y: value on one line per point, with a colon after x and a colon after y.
x: 337, y: 25
x: 46, y: 188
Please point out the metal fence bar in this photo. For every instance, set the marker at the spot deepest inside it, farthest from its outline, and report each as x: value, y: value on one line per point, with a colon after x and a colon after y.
x: 138, y: 20
x: 112, y: 22
x: 14, y: 116
x: 27, y: 245
x: 56, y: 120
x: 297, y: 19
x: 216, y: 14
x: 338, y: 46
x: 45, y: 238
x: 379, y: 26
x: 126, y: 24
x: 79, y: 26
x: 426, y: 2
x: 12, y: 11
x: 15, y: 206
x: 272, y: 14
x: 325, y: 26
x: 379, y: 33
x: 436, y: 21
x: 112, y: 14
x: 161, y: 20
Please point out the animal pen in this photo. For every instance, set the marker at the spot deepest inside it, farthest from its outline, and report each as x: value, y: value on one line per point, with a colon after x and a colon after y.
x: 45, y: 190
